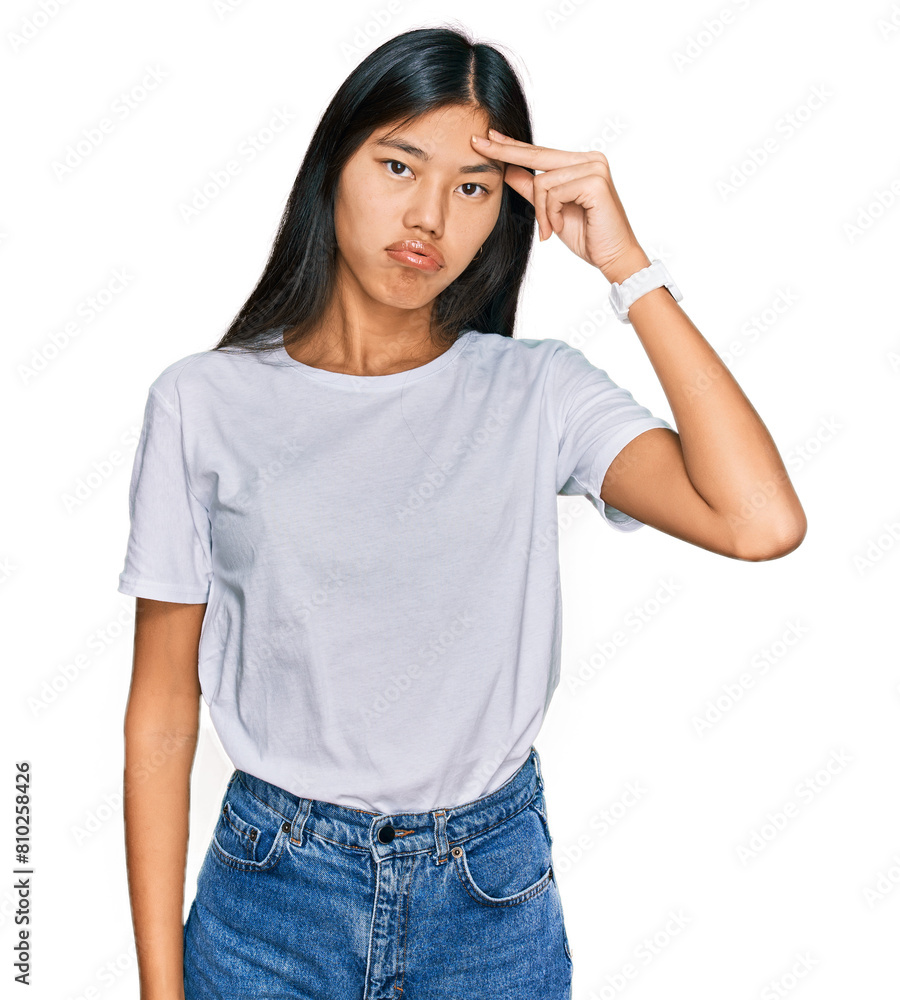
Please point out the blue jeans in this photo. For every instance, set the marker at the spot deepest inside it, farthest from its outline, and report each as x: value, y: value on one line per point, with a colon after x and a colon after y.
x: 302, y: 898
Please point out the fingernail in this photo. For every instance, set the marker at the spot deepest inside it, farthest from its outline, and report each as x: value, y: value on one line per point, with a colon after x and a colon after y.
x: 478, y: 139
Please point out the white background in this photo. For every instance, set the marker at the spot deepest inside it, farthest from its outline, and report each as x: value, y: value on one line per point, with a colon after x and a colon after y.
x: 788, y: 267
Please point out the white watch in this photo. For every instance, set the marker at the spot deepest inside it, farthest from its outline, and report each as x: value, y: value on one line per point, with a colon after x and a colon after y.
x: 622, y: 295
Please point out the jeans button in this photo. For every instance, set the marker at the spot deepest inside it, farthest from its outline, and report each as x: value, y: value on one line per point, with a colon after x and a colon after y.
x: 386, y: 834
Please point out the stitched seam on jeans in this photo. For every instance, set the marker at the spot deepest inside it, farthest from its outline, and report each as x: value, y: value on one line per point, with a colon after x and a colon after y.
x: 493, y: 826
x: 542, y: 884
x: 262, y: 802
x: 269, y: 861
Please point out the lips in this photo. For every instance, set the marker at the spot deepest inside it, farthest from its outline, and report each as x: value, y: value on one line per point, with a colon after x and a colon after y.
x: 418, y: 247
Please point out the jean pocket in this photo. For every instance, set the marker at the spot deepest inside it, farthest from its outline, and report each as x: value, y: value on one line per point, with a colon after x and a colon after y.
x: 509, y: 863
x: 248, y: 835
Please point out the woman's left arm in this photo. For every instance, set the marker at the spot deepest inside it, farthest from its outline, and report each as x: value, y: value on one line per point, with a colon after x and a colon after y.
x: 722, y: 451
x: 719, y: 482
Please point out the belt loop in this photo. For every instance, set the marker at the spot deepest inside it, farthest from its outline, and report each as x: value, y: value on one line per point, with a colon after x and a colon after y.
x: 298, y: 823
x: 440, y: 835
x: 537, y: 767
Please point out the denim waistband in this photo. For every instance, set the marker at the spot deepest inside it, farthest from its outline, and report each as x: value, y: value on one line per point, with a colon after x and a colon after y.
x: 391, y: 834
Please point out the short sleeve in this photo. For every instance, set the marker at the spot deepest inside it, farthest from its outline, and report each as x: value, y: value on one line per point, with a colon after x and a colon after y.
x: 168, y: 557
x: 597, y: 419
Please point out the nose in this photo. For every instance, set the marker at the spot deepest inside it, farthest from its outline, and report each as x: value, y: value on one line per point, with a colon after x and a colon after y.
x: 426, y: 210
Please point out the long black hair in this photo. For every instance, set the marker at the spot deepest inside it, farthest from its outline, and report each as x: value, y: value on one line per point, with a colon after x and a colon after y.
x: 410, y: 74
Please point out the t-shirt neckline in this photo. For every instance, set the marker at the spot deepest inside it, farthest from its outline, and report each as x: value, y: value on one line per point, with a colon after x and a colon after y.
x: 374, y: 381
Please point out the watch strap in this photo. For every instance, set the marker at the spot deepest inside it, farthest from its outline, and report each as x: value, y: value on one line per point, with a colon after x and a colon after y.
x: 623, y: 294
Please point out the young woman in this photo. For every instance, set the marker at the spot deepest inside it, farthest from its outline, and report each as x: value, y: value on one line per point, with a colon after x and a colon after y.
x: 343, y: 536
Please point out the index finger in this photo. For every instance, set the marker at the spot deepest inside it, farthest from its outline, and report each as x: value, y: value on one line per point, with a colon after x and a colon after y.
x: 524, y: 153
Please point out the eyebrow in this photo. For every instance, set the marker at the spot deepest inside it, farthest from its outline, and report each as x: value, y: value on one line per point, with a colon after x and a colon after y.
x: 491, y: 167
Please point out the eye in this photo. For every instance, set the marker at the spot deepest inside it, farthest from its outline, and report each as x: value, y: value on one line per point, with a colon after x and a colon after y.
x: 468, y: 184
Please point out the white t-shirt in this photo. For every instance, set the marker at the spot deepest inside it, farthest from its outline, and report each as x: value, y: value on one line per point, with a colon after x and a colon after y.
x: 378, y: 553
